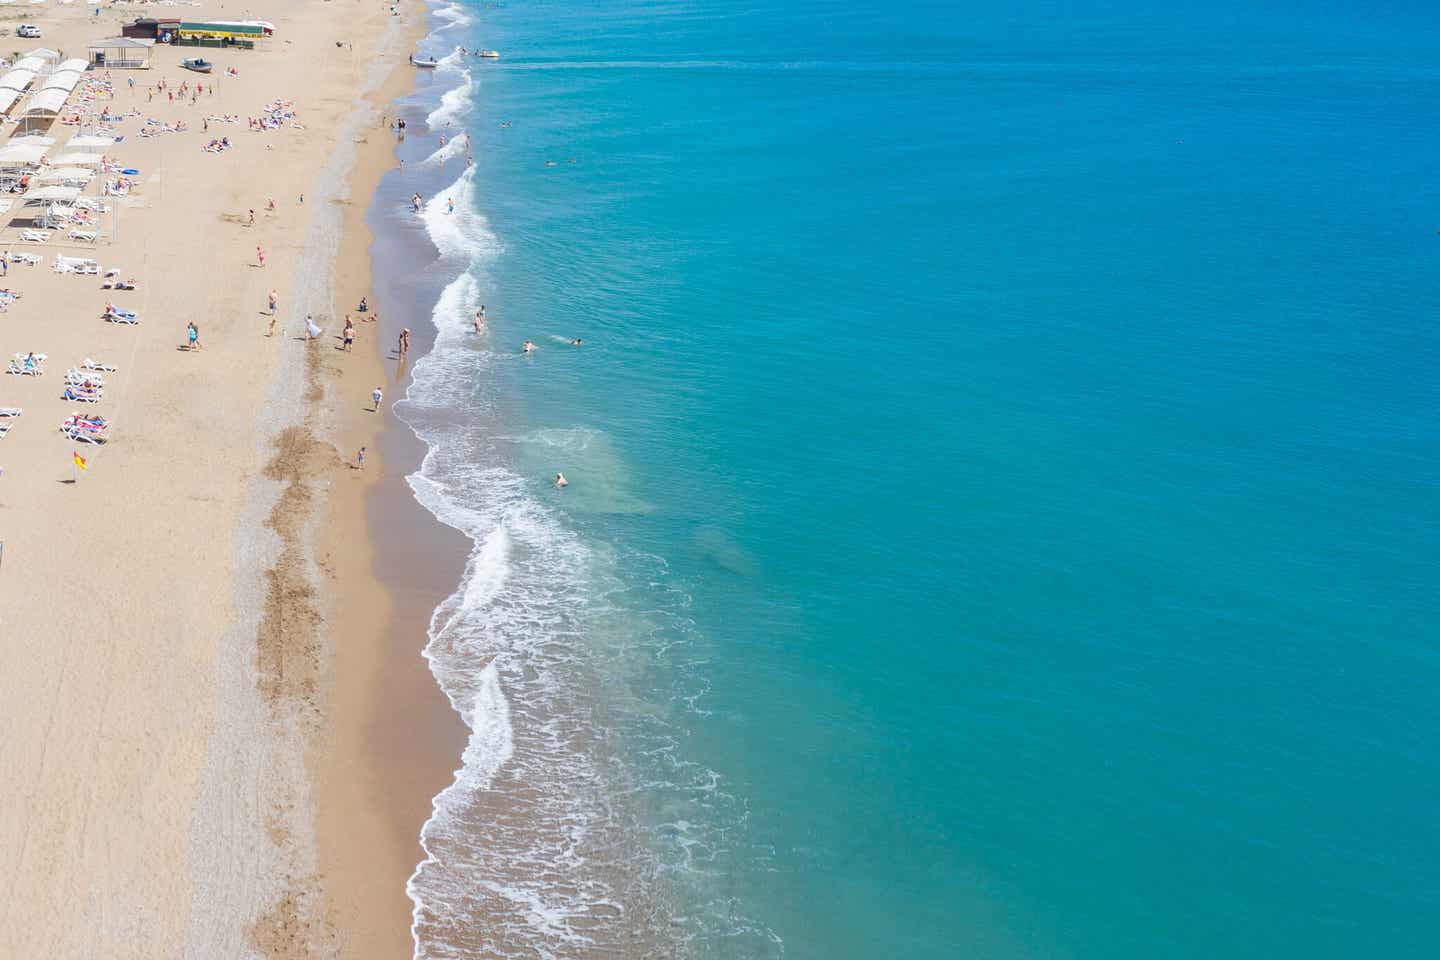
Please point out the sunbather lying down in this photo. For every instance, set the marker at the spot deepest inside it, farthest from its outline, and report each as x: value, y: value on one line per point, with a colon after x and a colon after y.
x: 82, y: 394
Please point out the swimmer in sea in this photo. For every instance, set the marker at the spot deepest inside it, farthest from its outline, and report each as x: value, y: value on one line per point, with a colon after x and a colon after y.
x: 480, y: 319
x: 529, y: 346
x: 576, y: 342
x: 561, y: 482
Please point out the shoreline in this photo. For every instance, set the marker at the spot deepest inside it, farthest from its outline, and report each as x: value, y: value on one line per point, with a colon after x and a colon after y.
x: 392, y: 739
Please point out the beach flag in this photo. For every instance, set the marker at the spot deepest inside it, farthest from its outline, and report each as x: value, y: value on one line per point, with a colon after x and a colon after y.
x: 79, y: 460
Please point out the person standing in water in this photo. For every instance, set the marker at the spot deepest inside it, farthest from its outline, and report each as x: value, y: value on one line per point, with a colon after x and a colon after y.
x: 560, y: 481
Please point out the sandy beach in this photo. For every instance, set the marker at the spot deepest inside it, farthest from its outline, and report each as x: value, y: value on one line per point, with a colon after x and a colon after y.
x: 172, y: 672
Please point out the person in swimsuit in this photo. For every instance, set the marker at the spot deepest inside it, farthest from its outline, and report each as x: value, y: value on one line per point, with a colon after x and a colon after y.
x: 349, y: 335
x: 193, y: 332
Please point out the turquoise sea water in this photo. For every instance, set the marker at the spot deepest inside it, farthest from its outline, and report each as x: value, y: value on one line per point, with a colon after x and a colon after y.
x: 1005, y: 479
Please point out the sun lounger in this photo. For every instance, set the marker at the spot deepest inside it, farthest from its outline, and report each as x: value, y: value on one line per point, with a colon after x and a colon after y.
x: 34, y: 236
x: 6, y: 412
x: 83, y: 265
x: 84, y: 236
x: 91, y: 377
x: 81, y: 395
x: 30, y: 259
x: 85, y: 429
x: 97, y: 365
x: 5, y: 426
x: 27, y: 365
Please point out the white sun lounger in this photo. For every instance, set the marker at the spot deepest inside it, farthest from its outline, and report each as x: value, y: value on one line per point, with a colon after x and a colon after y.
x: 34, y: 236
x: 80, y: 396
x: 10, y: 411
x: 33, y: 259
x: 90, y: 364
x: 85, y: 236
x: 74, y: 375
x: 19, y: 367
x: 85, y: 265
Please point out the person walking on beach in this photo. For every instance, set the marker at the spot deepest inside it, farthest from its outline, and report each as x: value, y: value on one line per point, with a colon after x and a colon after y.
x: 360, y: 459
x: 404, y: 346
x: 349, y: 334
x: 192, y: 332
x: 376, y: 396
x: 260, y: 256
x: 252, y: 218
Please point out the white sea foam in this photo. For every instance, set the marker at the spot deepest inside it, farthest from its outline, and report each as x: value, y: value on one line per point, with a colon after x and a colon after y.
x: 453, y: 148
x: 454, y: 104
x: 460, y: 234
x: 536, y: 848
x: 454, y: 14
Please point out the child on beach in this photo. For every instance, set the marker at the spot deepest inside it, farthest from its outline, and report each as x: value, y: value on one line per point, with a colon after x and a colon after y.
x: 360, y: 459
x: 376, y: 396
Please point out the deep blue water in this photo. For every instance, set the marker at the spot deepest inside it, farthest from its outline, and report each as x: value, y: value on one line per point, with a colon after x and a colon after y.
x: 1007, y: 439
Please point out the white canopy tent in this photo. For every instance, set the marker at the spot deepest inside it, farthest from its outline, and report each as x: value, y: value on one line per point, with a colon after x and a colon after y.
x: 74, y: 64
x: 77, y: 159
x: 17, y: 79
x: 8, y: 98
x: 34, y: 139
x: 46, y: 103
x: 43, y: 54
x: 61, y: 80
x: 87, y: 141
x: 22, y: 154
x: 65, y: 175
x: 33, y: 64
x: 52, y: 195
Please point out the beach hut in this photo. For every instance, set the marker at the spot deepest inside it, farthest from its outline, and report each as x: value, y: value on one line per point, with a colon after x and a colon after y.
x: 122, y: 53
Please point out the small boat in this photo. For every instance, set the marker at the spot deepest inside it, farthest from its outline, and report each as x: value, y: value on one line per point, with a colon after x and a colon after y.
x: 489, y: 54
x: 423, y: 61
x: 198, y: 64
